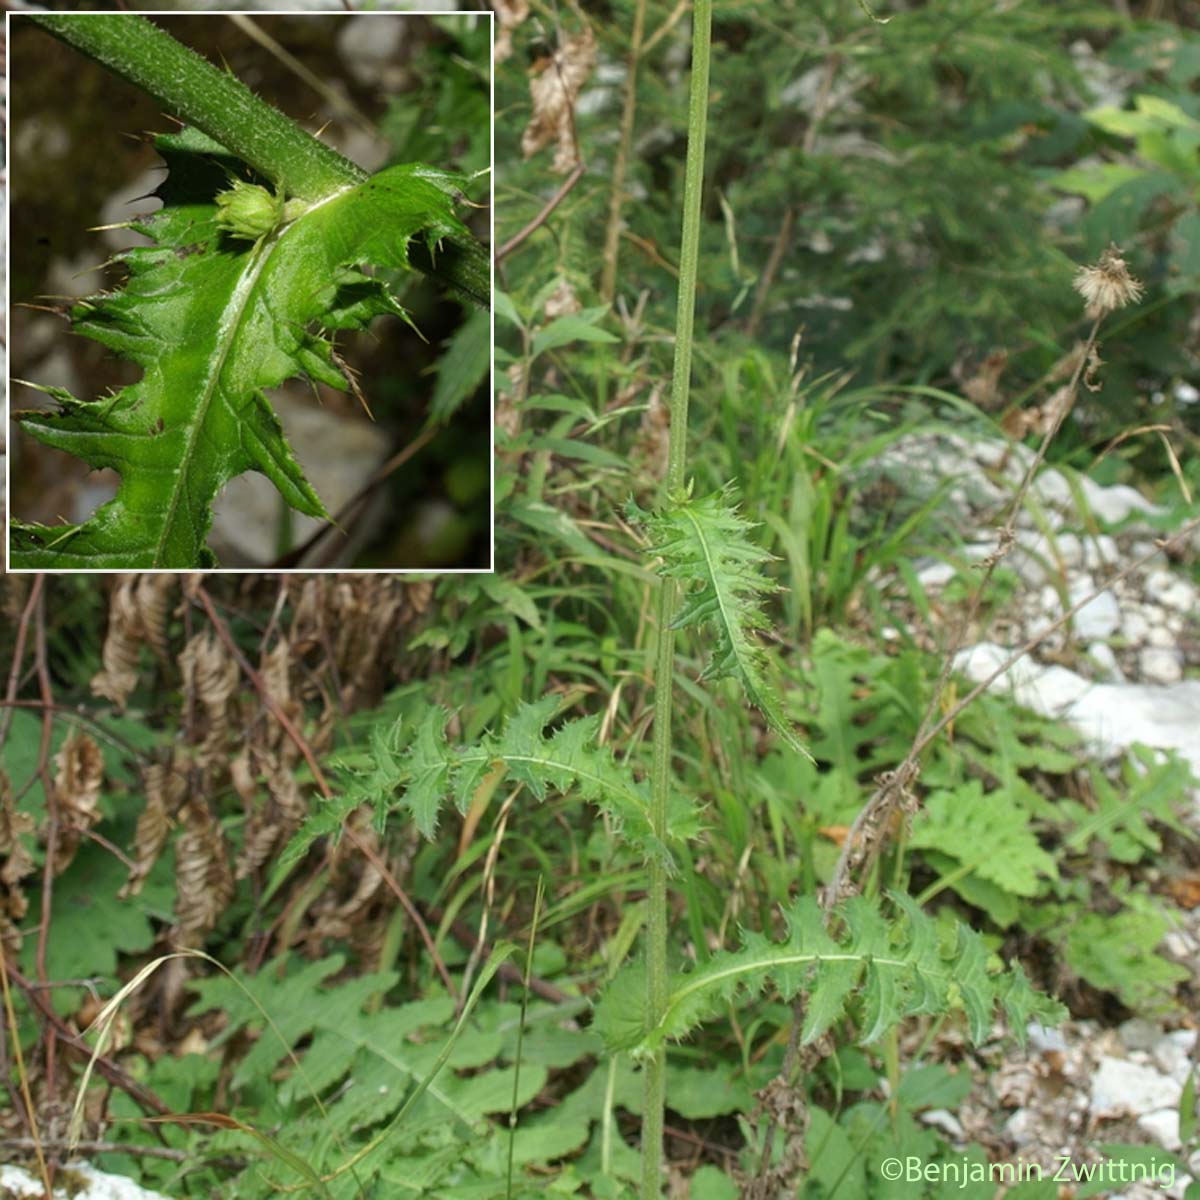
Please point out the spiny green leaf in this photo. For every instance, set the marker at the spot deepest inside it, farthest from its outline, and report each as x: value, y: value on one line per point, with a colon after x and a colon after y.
x: 428, y: 771
x: 565, y: 760
x: 705, y: 544
x: 214, y: 320
x: 896, y: 969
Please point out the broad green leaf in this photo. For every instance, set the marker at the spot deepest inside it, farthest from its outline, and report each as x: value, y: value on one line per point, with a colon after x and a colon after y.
x: 578, y: 327
x: 1150, y: 113
x: 1184, y: 268
x: 699, y: 1093
x: 1187, y: 1108
x: 1118, y: 217
x: 512, y: 598
x: 85, y: 900
x: 506, y: 310
x: 708, y: 1183
x: 586, y: 452
x: 933, y: 1086
x: 215, y: 319
x: 1094, y: 183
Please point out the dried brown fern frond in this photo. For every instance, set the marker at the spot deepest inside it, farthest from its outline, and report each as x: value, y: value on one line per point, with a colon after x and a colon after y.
x: 355, y: 885
x: 152, y: 596
x: 553, y: 91
x: 509, y: 14
x: 118, y: 677
x: 271, y: 819
x: 204, y: 881
x: 210, y: 675
x: 16, y: 862
x: 139, y: 612
x: 355, y: 623
x: 79, y: 774
x: 277, y: 677
x: 165, y: 786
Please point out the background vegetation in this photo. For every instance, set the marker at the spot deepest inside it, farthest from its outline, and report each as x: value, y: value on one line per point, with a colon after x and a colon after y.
x: 893, y: 215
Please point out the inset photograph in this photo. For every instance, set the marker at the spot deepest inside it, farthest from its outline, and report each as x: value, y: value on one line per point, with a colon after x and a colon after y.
x: 250, y: 292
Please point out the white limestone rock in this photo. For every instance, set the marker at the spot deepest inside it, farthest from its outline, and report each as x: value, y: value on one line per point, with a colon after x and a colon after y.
x: 1161, y: 664
x: 1172, y: 1054
x: 16, y: 1182
x: 1121, y: 1088
x: 1111, y: 716
x: 1099, y: 619
x: 1163, y: 1127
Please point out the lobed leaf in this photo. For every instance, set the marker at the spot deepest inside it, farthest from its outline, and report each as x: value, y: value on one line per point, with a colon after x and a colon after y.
x: 565, y: 760
x: 214, y: 320
x: 705, y: 544
x: 892, y: 970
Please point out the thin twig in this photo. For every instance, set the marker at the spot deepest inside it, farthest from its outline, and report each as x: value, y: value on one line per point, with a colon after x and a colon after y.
x: 10, y: 1020
x: 857, y: 850
x: 294, y: 557
x: 101, y: 1148
x: 52, y: 822
x: 1016, y: 655
x: 14, y: 667
x: 672, y: 20
x: 489, y: 890
x: 783, y: 238
x: 334, y: 97
x: 564, y: 190
x: 612, y: 235
x: 891, y: 783
x: 576, y: 172
x: 779, y: 247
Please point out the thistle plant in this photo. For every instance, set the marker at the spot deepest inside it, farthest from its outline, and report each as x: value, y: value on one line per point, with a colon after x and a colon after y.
x: 875, y: 961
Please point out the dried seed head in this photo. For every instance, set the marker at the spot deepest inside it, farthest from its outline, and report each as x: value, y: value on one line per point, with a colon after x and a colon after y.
x: 1108, y: 285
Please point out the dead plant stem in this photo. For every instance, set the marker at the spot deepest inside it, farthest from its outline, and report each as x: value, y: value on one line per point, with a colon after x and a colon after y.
x: 612, y: 235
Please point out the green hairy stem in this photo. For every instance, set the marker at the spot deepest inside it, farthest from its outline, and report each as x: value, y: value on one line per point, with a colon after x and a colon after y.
x: 660, y: 779
x: 248, y: 127
x: 211, y: 100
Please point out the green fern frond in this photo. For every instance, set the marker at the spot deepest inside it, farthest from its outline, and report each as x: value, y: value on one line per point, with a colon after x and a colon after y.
x: 705, y: 544
x: 890, y: 970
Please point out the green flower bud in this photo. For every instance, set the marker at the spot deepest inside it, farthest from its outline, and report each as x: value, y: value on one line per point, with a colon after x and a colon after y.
x: 248, y: 211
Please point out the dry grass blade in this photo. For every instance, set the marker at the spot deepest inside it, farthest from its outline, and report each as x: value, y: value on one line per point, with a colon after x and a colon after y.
x: 103, y: 1028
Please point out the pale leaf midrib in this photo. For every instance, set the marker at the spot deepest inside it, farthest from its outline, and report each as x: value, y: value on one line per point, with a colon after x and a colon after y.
x: 227, y: 331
